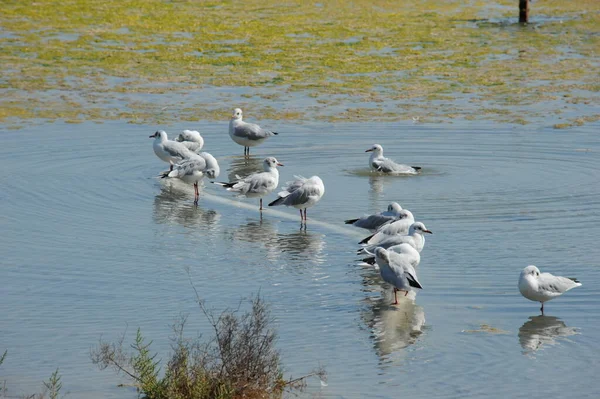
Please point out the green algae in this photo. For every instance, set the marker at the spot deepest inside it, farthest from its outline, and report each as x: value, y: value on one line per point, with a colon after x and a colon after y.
x: 383, y: 60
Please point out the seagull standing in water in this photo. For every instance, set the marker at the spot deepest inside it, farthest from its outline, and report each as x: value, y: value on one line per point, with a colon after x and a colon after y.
x: 192, y: 170
x: 191, y: 139
x: 374, y: 221
x: 382, y: 164
x: 247, y: 134
x: 301, y: 193
x: 397, y: 272
x: 257, y: 184
x: 168, y: 150
x: 403, y: 251
x: 542, y: 287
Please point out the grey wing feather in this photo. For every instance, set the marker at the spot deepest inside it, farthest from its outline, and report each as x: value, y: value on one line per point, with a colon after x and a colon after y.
x: 373, y: 221
x: 251, y: 131
x: 177, y: 150
x: 555, y: 284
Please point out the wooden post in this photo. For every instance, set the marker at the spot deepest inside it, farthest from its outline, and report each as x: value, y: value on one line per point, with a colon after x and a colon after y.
x: 523, y: 11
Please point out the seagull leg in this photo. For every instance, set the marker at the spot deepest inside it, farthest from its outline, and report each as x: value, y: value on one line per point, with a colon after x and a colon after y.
x: 196, y: 193
x: 170, y: 166
x: 301, y: 218
x: 395, y: 297
x: 260, y: 209
x: 305, y: 214
x: 542, y: 308
x: 406, y: 293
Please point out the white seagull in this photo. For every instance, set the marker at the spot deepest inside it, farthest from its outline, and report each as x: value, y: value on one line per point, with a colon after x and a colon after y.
x: 381, y: 164
x: 191, y: 139
x: 542, y: 287
x: 168, y: 150
x: 257, y: 184
x: 246, y: 134
x: 415, y: 238
x: 398, y: 272
x: 374, y: 221
x: 400, y: 226
x: 403, y: 251
x: 301, y: 193
x: 192, y: 170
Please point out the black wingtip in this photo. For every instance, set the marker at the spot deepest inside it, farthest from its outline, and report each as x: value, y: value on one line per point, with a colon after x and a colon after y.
x: 275, y: 133
x: 370, y: 260
x: 416, y: 167
x: 277, y: 201
x: 366, y: 240
x: 224, y: 184
x: 412, y: 281
x: 350, y: 221
x: 573, y: 279
x: 166, y: 174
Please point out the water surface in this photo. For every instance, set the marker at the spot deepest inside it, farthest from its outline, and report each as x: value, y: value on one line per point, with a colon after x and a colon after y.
x: 93, y: 244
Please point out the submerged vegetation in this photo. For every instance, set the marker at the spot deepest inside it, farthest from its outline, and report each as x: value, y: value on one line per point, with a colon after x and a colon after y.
x: 151, y: 61
x: 239, y: 361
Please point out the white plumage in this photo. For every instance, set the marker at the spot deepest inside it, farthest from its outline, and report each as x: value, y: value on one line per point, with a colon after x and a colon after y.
x: 246, y: 134
x: 374, y: 221
x: 542, y: 287
x: 301, y: 193
x: 382, y: 164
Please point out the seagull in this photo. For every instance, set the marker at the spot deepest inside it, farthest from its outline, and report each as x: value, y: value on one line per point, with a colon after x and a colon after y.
x: 405, y: 251
x: 381, y: 164
x: 191, y: 139
x: 398, y: 272
x: 301, y: 193
x: 372, y: 222
x: 400, y: 226
x: 168, y: 150
x: 257, y: 184
x: 542, y: 287
x: 247, y: 134
x: 415, y: 238
x: 192, y: 170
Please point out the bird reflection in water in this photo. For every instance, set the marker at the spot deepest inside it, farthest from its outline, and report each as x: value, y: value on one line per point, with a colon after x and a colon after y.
x: 243, y: 166
x: 393, y: 327
x: 300, y: 245
x: 376, y: 183
x: 540, y: 331
x: 172, y: 206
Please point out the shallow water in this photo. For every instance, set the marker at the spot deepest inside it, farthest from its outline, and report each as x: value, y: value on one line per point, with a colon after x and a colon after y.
x: 93, y: 244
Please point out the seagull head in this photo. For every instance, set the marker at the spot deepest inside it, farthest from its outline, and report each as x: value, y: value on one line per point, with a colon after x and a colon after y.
x: 418, y: 228
x: 159, y: 134
x: 530, y: 271
x: 271, y: 162
x: 376, y: 149
x: 394, y: 207
x: 237, y: 114
x: 405, y: 214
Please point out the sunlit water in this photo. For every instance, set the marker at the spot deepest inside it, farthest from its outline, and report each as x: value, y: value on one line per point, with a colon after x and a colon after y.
x: 93, y: 245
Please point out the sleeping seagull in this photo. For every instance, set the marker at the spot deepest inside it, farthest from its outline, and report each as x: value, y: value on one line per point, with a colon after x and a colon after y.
x: 257, y: 184
x: 400, y: 226
x: 192, y: 170
x: 542, y: 287
x: 381, y: 164
x: 191, y: 139
x: 301, y: 193
x: 415, y: 238
x: 246, y: 134
x: 374, y: 221
x: 397, y: 272
x: 168, y: 150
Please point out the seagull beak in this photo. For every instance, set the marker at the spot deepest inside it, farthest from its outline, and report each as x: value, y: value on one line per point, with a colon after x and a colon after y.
x: 369, y: 150
x: 280, y: 164
x: 427, y: 231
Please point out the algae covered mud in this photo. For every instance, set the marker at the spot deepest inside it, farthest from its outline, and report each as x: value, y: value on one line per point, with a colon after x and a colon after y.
x: 155, y: 61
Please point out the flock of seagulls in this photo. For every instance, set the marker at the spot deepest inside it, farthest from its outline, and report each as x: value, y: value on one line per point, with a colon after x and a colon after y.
x: 397, y: 240
x: 394, y: 247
